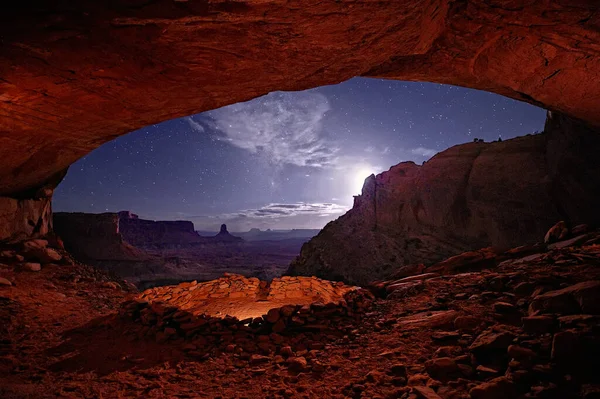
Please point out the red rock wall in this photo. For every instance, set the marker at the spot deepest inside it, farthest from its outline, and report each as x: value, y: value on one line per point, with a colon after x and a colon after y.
x: 473, y: 195
x: 23, y: 218
x: 94, y: 237
x: 149, y: 233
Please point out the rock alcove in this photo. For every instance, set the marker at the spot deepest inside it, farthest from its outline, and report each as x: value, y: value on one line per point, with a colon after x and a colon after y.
x: 74, y: 76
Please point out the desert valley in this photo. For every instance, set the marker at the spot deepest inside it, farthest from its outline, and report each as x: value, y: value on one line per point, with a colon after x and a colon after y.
x: 253, y: 239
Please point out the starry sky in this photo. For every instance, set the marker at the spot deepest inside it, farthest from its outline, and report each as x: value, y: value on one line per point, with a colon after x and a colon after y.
x: 287, y: 159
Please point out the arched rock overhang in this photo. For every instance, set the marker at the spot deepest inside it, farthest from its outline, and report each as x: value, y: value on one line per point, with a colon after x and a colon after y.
x: 74, y: 75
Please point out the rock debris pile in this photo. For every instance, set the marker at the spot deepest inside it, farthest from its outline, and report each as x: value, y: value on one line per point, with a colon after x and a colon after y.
x: 236, y: 313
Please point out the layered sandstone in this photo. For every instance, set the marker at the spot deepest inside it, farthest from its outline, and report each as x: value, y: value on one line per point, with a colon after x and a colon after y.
x: 94, y: 237
x: 78, y: 74
x: 470, y: 196
x: 157, y: 234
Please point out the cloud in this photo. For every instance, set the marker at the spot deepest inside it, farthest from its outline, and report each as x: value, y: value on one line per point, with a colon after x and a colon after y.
x: 424, y: 152
x: 195, y: 125
x: 275, y: 215
x: 287, y: 128
x: 300, y: 208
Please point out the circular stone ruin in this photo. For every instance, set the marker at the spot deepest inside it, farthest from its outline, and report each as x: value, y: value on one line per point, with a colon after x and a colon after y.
x: 235, y: 311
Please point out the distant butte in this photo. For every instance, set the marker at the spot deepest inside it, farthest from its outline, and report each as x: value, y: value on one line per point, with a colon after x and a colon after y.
x: 224, y: 236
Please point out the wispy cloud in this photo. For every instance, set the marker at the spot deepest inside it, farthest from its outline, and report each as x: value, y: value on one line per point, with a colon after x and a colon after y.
x: 424, y: 152
x: 195, y: 125
x: 275, y: 215
x: 286, y: 210
x: 287, y: 128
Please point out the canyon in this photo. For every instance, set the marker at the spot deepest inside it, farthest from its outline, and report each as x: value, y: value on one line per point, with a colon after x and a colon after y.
x: 148, y: 252
x: 469, y: 288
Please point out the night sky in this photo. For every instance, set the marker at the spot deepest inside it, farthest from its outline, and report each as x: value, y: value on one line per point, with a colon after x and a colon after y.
x: 287, y: 159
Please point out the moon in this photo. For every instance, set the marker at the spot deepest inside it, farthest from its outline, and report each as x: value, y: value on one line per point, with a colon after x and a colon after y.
x: 359, y: 179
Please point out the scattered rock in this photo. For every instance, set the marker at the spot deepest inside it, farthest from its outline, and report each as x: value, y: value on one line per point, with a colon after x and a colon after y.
x: 467, y: 323
x: 579, y: 298
x: 557, y: 232
x: 443, y: 368
x: 398, y: 370
x: 486, y: 372
x: 31, y: 267
x: 565, y: 345
x: 424, y: 392
x: 5, y: 282
x: 297, y: 364
x: 490, y: 341
x: 272, y: 316
x: 498, y: 388
x: 110, y: 284
x: 504, y: 307
x: 42, y: 255
x: 518, y: 352
x: 258, y: 359
x: 538, y: 324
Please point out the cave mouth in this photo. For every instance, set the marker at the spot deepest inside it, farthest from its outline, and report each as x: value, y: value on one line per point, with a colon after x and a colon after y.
x: 277, y: 167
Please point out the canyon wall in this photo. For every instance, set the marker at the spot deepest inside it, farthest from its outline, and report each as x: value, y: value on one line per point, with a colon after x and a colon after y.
x: 94, y: 237
x: 151, y: 234
x: 473, y: 195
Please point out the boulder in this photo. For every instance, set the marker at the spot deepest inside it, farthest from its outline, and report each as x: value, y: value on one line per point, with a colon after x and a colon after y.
x: 491, y: 341
x: 558, y: 232
x: 297, y: 364
x: 498, y: 388
x: 30, y: 266
x: 442, y: 368
x: 583, y: 297
x: 424, y: 392
x: 42, y: 254
x: 538, y: 324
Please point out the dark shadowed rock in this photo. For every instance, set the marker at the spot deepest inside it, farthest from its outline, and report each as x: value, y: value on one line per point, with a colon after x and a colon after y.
x: 471, y: 196
x: 557, y: 232
x: 498, y: 388
x: 579, y: 298
x: 224, y: 236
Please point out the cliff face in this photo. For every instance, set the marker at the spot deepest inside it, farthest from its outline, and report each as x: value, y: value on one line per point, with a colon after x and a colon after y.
x: 152, y: 234
x: 94, y: 237
x: 473, y: 195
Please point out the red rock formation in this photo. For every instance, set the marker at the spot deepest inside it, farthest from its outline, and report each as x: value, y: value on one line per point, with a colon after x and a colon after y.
x: 157, y: 234
x: 470, y: 196
x: 95, y: 237
x: 224, y: 236
x: 77, y: 74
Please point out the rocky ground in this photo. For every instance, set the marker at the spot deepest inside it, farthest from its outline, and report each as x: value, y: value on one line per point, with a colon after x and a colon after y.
x: 525, y: 328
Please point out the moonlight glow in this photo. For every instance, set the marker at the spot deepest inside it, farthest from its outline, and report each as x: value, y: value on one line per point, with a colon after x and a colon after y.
x: 359, y: 179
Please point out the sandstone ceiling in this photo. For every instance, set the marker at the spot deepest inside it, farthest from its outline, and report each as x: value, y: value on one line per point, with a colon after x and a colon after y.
x: 74, y: 75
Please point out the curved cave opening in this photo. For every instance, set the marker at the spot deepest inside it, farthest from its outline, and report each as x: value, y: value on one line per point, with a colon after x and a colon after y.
x: 275, y: 170
x: 502, y: 320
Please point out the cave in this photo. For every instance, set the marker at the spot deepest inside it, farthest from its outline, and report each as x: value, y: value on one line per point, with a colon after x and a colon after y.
x: 74, y: 76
